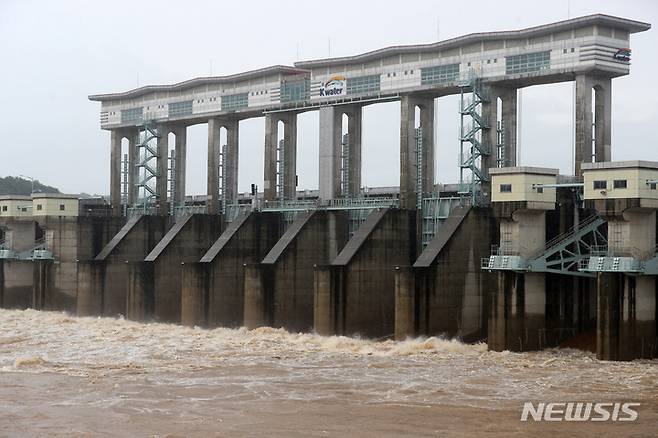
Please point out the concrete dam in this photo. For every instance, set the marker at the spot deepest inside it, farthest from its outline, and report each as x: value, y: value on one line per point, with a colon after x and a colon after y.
x: 521, y: 257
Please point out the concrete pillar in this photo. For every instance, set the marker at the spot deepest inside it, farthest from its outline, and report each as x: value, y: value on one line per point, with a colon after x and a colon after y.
x: 508, y: 97
x: 289, y: 164
x: 534, y: 311
x: 354, y: 124
x: 214, y: 127
x: 330, y: 152
x: 405, y: 303
x: 41, y: 284
x: 140, y: 303
x: 90, y: 288
x: 133, y: 140
x: 626, y: 317
x: 194, y: 299
x: 181, y: 162
x: 408, y: 155
x: 328, y: 311
x: 115, y: 171
x: 161, y: 180
x: 255, y: 300
x: 331, y: 137
x: 601, y: 115
x: 517, y: 317
x: 231, y: 160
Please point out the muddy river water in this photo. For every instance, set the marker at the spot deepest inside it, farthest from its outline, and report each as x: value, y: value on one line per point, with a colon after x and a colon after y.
x: 77, y: 377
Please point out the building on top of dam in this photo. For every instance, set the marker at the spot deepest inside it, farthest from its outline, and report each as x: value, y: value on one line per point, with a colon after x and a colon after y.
x: 488, y: 67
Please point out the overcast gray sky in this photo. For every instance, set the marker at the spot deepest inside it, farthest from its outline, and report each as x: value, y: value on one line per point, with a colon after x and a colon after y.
x: 53, y: 54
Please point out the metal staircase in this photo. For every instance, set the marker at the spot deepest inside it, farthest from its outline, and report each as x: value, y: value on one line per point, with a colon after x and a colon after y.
x: 472, y: 139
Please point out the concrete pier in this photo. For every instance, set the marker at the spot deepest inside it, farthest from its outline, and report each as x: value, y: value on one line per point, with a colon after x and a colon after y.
x: 446, y: 285
x: 103, y: 281
x: 280, y: 165
x: 194, y: 295
x: 356, y: 293
x: 185, y: 242
x: 229, y: 162
x: 287, y: 270
x: 602, y: 111
x: 335, y: 165
x: 16, y: 277
x: 415, y: 167
x: 220, y: 271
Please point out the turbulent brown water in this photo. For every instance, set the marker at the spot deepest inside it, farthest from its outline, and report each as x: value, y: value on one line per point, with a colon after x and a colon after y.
x: 67, y: 376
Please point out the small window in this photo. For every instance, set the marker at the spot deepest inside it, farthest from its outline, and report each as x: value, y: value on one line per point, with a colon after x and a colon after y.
x: 469, y: 64
x: 540, y: 190
x: 39, y: 206
x: 495, y: 60
x: 411, y: 72
x: 61, y: 207
x: 564, y: 51
x: 4, y: 208
x: 600, y: 185
x: 652, y: 186
x: 405, y: 72
x: 488, y: 61
x: 506, y: 188
x: 573, y: 50
x: 619, y: 184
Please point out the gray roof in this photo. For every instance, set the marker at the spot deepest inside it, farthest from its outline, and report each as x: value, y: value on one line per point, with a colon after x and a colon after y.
x: 602, y: 165
x: 276, y: 69
x: 631, y: 26
x: 302, y: 67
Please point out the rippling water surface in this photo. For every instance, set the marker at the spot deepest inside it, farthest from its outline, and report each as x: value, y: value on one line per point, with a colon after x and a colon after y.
x: 67, y: 376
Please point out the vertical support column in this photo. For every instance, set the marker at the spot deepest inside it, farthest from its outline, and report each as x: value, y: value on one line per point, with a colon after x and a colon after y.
x: 290, y: 155
x: 328, y: 301
x: 181, y: 159
x: 354, y: 119
x: 194, y: 294
x: 269, y: 161
x: 133, y: 140
x: 405, y: 303
x: 255, y: 302
x: 161, y: 181
x: 330, y: 151
x: 583, y: 123
x: 289, y: 165
x: 140, y: 302
x: 213, y: 177
x: 115, y: 171
x: 509, y: 101
x: 602, y: 120
x: 408, y: 159
x: 508, y: 97
x: 231, y: 160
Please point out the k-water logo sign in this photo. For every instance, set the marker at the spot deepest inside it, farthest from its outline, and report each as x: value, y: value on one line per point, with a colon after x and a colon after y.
x: 335, y: 86
x: 579, y: 411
